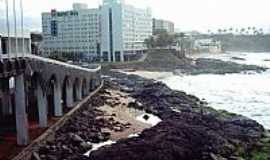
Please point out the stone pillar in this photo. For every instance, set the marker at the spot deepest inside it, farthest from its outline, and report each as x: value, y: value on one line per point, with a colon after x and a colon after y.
x: 21, y: 115
x: 91, y: 85
x: 85, y: 89
x: 79, y: 91
x: 6, y: 105
x: 42, y: 107
x: 58, y: 109
x: 69, y: 96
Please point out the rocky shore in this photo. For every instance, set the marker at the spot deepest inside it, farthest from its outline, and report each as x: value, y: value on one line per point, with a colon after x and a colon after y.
x: 165, y: 61
x: 189, y: 130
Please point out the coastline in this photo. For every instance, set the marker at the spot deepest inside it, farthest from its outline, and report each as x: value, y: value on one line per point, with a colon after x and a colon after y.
x: 165, y: 61
x: 107, y: 127
x: 189, y: 128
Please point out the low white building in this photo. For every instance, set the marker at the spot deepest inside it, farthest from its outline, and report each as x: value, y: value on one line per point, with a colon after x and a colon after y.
x: 111, y: 32
x: 207, y: 45
x: 8, y: 46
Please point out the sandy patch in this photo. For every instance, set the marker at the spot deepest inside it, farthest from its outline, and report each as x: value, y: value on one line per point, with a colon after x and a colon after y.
x: 117, y: 106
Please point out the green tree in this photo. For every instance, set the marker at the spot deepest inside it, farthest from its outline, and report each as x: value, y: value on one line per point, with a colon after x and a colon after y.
x: 163, y: 39
x: 182, y: 37
x: 149, y: 42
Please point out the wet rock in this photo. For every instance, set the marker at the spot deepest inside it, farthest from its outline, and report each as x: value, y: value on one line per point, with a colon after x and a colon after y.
x: 35, y: 156
x: 76, y: 138
x: 194, y: 132
x: 86, y: 145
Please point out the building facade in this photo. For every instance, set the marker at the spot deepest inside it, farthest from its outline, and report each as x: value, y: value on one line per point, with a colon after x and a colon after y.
x: 8, y: 46
x: 207, y: 46
x: 75, y: 32
x: 160, y: 24
x: 108, y: 33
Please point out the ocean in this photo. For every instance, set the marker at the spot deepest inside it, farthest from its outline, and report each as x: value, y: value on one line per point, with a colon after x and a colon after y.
x: 246, y: 93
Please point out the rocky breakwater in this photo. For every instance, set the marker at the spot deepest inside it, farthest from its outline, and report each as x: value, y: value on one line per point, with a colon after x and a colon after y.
x: 81, y: 132
x: 190, y: 130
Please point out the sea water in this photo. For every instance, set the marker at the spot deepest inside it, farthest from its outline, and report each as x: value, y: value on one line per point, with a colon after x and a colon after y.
x: 246, y: 93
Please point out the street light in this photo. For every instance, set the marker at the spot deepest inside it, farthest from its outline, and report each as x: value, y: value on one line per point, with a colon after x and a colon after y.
x: 8, y: 29
x: 22, y: 29
x: 15, y: 27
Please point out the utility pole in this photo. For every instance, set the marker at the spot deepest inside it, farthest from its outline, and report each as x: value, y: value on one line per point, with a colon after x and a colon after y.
x: 22, y: 28
x: 8, y: 29
x: 15, y: 27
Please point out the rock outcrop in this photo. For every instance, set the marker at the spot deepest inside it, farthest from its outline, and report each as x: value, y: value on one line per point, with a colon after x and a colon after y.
x: 189, y: 131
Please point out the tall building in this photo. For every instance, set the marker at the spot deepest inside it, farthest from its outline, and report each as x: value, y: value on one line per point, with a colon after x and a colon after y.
x: 111, y: 32
x: 160, y: 24
x: 74, y: 32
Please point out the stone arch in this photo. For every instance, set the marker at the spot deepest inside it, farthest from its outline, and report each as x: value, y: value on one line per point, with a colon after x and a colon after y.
x: 41, y: 98
x: 7, y: 106
x: 54, y: 96
x: 17, y: 65
x: 23, y: 63
x: 32, y: 105
x: 8, y: 66
x: 1, y: 67
x: 85, y: 89
x: 77, y: 89
x: 91, y: 85
x: 67, y: 92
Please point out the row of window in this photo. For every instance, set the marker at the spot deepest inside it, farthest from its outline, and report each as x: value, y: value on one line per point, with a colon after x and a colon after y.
x: 71, y: 48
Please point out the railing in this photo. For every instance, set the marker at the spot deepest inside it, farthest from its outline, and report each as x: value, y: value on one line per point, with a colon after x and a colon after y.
x: 13, y: 55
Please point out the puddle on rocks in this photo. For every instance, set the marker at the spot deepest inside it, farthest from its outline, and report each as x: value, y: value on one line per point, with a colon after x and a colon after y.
x: 137, y: 120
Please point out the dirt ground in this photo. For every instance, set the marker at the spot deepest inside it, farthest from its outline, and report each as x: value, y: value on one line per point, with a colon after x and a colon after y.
x: 117, y: 106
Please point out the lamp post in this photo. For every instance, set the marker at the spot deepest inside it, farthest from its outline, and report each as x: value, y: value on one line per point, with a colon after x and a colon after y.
x: 22, y: 28
x: 8, y: 29
x: 15, y: 27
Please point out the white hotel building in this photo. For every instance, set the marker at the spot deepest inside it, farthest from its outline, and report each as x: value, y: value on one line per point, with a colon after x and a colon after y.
x: 111, y: 32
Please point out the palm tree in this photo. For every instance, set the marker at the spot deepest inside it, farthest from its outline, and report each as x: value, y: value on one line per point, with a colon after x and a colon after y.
x: 249, y: 29
x: 182, y: 38
x: 236, y: 30
x: 220, y: 31
x: 225, y: 31
x: 231, y: 30
x: 242, y: 30
x: 261, y: 31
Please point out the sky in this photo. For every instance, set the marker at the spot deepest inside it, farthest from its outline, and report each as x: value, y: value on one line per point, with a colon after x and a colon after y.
x: 200, y: 15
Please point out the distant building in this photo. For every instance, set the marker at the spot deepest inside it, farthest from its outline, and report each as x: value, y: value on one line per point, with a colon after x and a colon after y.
x: 36, y: 41
x: 160, y: 24
x: 22, y: 46
x: 207, y: 45
x: 124, y: 29
x: 111, y: 32
x: 75, y: 32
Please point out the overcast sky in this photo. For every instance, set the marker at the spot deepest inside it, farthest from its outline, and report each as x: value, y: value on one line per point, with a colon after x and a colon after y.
x: 198, y: 15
